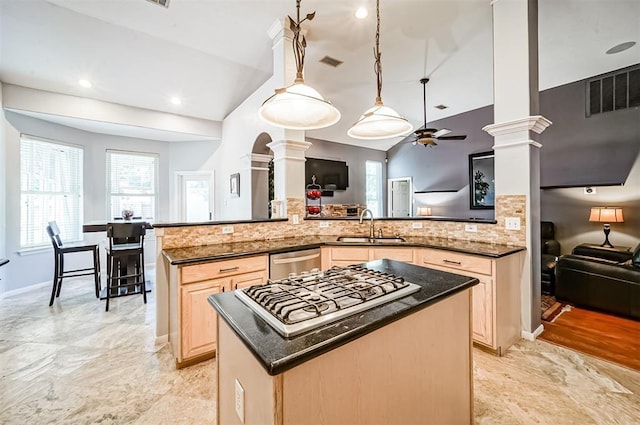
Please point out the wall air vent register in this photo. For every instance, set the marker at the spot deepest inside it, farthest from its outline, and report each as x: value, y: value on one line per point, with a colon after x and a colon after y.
x: 613, y: 91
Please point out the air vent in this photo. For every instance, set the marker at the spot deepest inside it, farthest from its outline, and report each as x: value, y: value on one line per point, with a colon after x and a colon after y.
x: 164, y: 3
x: 331, y: 61
x: 614, y: 91
x: 441, y: 107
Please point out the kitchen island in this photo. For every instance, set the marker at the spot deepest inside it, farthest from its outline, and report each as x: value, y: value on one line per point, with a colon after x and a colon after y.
x: 407, y: 361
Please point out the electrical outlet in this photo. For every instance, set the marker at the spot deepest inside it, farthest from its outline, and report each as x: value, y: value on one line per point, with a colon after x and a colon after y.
x: 295, y: 219
x: 324, y: 224
x: 227, y: 229
x: 471, y: 228
x: 416, y: 225
x: 239, y: 401
x: 512, y: 223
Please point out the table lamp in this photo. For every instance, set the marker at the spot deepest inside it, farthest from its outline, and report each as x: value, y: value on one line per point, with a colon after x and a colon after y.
x: 606, y: 215
x: 424, y: 211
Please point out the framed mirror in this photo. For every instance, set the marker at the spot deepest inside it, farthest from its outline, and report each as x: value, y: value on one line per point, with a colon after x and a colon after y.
x: 482, y: 188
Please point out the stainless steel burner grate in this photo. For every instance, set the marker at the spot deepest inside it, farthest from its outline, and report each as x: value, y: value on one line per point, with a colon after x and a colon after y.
x: 303, y: 302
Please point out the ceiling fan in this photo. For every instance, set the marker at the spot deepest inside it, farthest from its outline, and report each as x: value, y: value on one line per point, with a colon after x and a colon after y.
x: 428, y: 136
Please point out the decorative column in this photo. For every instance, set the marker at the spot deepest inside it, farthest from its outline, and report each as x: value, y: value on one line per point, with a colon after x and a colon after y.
x: 258, y: 167
x: 517, y: 124
x: 288, y: 163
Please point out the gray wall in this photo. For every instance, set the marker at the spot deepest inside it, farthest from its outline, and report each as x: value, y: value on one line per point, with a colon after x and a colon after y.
x: 446, y: 166
x: 581, y: 150
x: 356, y: 158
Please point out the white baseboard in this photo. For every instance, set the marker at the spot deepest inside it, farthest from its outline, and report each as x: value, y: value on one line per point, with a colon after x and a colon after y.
x: 25, y: 289
x: 162, y: 339
x: 531, y: 336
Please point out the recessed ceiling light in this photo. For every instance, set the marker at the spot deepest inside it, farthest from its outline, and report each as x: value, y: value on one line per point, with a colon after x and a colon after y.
x: 621, y: 47
x: 85, y: 83
x: 362, y: 12
x: 176, y: 101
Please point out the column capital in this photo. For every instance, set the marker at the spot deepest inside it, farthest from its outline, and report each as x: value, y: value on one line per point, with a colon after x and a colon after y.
x: 535, y: 123
x: 289, y: 149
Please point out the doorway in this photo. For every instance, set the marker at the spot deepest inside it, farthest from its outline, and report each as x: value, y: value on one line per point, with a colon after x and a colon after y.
x: 400, y: 197
x: 195, y: 195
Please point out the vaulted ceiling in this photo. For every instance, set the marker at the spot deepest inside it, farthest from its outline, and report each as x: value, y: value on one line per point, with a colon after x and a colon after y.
x: 214, y: 53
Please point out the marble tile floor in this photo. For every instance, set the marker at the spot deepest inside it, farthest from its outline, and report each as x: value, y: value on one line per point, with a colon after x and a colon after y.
x: 74, y: 363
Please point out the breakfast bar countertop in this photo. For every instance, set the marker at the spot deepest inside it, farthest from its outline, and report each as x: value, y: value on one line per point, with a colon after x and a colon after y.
x: 196, y: 254
x: 278, y: 354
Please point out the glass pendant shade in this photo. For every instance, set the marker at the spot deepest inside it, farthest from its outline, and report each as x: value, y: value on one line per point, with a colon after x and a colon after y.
x: 380, y: 122
x: 298, y: 107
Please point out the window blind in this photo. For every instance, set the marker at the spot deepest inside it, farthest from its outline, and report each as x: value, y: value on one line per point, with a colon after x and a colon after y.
x: 131, y: 183
x: 50, y: 189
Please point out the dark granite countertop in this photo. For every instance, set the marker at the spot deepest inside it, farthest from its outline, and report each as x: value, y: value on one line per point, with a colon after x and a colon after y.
x: 278, y: 354
x: 195, y: 254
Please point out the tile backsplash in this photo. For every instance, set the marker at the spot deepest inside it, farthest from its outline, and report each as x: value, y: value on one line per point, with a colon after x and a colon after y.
x: 507, y: 206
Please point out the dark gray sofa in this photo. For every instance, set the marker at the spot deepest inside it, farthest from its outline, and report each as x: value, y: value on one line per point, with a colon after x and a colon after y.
x: 600, y: 279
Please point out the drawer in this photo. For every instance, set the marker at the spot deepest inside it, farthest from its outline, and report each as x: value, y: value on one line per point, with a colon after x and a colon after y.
x: 223, y: 268
x: 458, y: 261
x: 355, y: 254
x: 399, y: 254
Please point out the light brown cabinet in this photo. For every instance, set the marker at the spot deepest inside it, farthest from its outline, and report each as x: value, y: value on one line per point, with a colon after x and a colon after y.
x: 496, y: 299
x: 342, y: 256
x: 192, y: 321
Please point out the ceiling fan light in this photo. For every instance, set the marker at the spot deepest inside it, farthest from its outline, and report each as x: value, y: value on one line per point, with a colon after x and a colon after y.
x: 298, y: 107
x: 380, y: 122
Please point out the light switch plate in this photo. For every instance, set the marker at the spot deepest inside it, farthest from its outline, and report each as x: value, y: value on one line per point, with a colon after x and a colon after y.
x: 471, y: 228
x: 416, y: 225
x: 227, y: 230
x: 324, y: 224
x: 295, y: 219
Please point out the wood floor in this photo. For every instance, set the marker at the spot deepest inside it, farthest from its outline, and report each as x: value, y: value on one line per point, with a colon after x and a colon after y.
x: 608, y: 337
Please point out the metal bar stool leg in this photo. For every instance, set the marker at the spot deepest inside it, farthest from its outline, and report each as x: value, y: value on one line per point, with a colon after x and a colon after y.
x: 60, y: 274
x: 55, y: 280
x: 96, y: 270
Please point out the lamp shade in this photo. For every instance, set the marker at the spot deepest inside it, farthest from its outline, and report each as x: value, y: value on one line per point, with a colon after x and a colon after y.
x: 424, y: 211
x: 298, y: 107
x: 606, y: 215
x: 380, y: 122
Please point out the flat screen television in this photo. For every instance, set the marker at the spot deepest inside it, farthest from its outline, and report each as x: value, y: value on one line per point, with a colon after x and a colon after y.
x: 331, y: 175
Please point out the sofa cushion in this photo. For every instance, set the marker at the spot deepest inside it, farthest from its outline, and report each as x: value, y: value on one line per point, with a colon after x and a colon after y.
x: 603, y: 253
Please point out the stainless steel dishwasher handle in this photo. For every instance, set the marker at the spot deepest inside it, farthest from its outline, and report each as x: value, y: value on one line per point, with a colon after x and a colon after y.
x: 294, y: 259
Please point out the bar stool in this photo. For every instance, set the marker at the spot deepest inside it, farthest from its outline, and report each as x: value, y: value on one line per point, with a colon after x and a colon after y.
x: 60, y: 250
x: 125, y: 260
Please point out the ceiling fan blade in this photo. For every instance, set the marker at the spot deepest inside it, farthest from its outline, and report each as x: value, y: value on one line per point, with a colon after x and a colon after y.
x: 451, y: 138
x: 441, y: 132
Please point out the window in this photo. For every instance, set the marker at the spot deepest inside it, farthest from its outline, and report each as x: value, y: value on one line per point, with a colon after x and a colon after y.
x: 374, y: 187
x: 131, y: 184
x: 50, y: 189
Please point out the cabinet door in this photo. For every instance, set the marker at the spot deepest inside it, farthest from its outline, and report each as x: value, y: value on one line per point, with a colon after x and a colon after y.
x: 199, y: 319
x: 399, y: 254
x: 345, y: 256
x: 248, y: 279
x: 483, y: 311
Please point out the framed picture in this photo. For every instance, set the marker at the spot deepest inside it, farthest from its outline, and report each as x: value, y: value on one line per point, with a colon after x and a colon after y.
x: 234, y: 185
x: 482, y: 188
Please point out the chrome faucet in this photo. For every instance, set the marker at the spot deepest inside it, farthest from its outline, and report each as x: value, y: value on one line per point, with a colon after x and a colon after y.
x: 372, y: 233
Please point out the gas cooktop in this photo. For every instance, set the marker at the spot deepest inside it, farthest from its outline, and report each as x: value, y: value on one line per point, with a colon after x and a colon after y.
x: 301, y: 303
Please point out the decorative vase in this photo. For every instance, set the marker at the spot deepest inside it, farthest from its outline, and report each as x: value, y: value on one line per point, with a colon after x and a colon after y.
x: 127, y: 214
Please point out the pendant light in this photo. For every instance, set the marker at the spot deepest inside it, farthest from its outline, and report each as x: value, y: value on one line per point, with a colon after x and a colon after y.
x: 298, y: 106
x: 380, y: 121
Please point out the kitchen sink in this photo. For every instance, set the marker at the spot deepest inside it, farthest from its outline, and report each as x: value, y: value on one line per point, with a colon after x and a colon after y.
x: 365, y: 239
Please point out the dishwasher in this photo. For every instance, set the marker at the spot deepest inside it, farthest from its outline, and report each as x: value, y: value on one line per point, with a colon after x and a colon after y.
x: 281, y: 265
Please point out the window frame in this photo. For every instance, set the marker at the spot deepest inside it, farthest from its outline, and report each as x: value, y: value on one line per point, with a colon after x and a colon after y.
x: 72, y: 230
x: 109, y: 194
